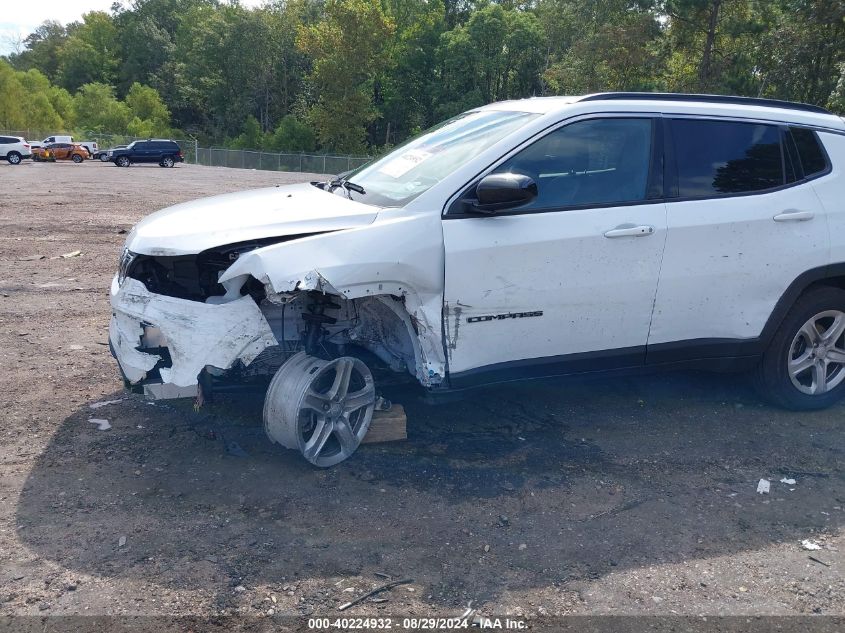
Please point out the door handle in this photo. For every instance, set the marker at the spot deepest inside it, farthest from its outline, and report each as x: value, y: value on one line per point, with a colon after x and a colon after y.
x: 794, y: 215
x: 629, y: 230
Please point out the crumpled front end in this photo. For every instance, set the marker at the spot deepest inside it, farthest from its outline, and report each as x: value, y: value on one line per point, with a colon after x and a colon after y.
x: 161, y: 339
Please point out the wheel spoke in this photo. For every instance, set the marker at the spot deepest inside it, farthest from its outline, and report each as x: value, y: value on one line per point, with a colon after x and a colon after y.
x: 802, y: 363
x: 819, y: 377
x: 359, y: 399
x: 836, y: 355
x: 315, y: 444
x: 315, y: 401
x: 835, y: 331
x: 347, y: 439
x: 810, y: 331
x: 343, y: 372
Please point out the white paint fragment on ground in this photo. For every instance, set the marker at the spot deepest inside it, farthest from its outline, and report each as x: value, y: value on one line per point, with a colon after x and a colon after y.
x: 788, y: 482
x: 97, y: 405
x: 763, y: 486
x: 102, y: 425
x: 810, y: 545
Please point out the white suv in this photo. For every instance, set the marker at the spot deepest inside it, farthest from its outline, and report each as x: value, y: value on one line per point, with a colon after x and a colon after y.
x: 530, y: 238
x: 14, y: 149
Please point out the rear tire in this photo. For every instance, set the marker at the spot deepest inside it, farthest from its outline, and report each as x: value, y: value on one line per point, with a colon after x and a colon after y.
x: 14, y: 158
x: 803, y: 368
x: 167, y: 161
x: 77, y: 158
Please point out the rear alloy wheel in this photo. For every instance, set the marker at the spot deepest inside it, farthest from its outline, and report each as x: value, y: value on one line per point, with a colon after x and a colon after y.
x: 122, y: 161
x: 322, y: 408
x: 77, y: 158
x: 104, y: 158
x: 167, y: 161
x: 804, y: 367
x: 14, y: 158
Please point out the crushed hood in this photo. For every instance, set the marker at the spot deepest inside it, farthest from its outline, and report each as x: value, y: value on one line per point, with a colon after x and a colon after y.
x: 192, y: 227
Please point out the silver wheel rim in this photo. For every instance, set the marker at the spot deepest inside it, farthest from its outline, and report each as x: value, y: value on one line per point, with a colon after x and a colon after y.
x: 14, y: 159
x: 123, y: 162
x: 816, y: 360
x: 168, y: 162
x: 321, y: 408
x: 104, y: 158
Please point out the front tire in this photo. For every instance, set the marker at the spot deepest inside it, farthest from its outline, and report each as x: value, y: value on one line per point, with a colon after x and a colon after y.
x: 804, y: 367
x: 14, y: 158
x: 77, y: 158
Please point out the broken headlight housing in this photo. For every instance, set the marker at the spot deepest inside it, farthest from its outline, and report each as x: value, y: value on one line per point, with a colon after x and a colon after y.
x: 126, y: 259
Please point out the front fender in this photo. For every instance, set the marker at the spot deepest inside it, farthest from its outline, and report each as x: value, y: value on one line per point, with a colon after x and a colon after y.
x: 399, y: 255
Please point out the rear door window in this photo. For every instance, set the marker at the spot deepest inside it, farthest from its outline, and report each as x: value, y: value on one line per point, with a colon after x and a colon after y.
x: 717, y: 158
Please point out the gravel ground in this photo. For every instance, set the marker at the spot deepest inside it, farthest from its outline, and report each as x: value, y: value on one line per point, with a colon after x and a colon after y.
x: 600, y: 496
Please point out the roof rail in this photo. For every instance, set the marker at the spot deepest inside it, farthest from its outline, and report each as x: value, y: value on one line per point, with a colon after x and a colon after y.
x: 679, y: 96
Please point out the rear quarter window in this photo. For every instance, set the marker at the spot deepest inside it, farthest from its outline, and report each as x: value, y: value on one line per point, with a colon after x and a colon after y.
x: 810, y: 152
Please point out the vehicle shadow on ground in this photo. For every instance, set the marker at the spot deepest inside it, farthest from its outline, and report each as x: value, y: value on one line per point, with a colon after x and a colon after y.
x: 505, y: 489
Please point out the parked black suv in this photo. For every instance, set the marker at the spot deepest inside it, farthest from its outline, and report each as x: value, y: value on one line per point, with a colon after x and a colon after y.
x: 165, y: 153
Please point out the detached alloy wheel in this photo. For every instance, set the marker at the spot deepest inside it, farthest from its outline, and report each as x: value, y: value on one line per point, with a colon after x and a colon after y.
x: 322, y: 408
x: 122, y: 161
x: 804, y: 367
x: 14, y: 158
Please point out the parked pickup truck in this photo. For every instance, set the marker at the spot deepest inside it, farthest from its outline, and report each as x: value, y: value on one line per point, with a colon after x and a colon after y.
x: 91, y: 146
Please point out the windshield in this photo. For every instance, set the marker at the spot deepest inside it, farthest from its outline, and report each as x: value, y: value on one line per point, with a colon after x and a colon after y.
x: 412, y: 168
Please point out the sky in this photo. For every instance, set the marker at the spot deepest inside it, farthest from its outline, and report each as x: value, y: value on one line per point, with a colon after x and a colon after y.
x: 18, y: 18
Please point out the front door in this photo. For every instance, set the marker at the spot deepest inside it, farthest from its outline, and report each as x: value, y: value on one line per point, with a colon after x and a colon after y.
x: 566, y: 282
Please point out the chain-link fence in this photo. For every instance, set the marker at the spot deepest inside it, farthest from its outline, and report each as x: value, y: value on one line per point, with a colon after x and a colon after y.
x: 273, y: 161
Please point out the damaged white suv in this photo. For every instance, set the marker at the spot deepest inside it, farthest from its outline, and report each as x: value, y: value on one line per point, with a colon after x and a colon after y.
x: 529, y: 238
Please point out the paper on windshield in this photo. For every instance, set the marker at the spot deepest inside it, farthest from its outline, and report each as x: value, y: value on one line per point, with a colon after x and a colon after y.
x: 404, y: 163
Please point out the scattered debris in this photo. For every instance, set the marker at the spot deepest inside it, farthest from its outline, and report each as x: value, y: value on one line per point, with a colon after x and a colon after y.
x: 240, y: 589
x: 486, y: 548
x: 820, y: 562
x: 523, y: 546
x: 72, y: 254
x: 810, y: 545
x: 763, y: 486
x: 375, y: 591
x: 102, y: 424
x: 97, y: 405
x: 121, y: 541
x: 788, y: 482
x: 382, y: 575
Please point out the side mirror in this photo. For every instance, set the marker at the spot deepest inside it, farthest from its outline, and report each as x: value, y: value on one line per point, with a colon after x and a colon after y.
x: 503, y: 191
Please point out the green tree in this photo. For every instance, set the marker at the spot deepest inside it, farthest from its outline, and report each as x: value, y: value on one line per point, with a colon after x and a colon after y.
x: 90, y: 53
x: 97, y: 109
x: 292, y: 135
x: 11, y: 96
x: 347, y: 48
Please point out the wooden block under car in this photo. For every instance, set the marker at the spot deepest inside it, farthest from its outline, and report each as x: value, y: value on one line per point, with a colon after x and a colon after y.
x: 387, y: 426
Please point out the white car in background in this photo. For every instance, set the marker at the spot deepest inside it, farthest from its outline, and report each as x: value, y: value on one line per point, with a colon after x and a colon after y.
x: 524, y: 239
x: 14, y: 149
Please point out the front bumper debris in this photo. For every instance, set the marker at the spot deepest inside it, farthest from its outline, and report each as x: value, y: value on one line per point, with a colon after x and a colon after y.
x: 189, y: 335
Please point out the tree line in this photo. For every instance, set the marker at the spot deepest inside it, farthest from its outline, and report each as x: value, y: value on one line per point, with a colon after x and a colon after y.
x: 360, y: 75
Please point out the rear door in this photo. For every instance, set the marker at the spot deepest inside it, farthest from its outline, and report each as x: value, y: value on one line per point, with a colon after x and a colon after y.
x: 742, y: 225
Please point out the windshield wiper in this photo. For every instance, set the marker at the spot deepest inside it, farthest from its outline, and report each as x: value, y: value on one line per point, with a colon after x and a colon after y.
x: 347, y: 185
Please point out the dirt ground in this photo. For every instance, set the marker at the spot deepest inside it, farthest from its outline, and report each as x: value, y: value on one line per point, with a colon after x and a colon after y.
x: 600, y: 496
